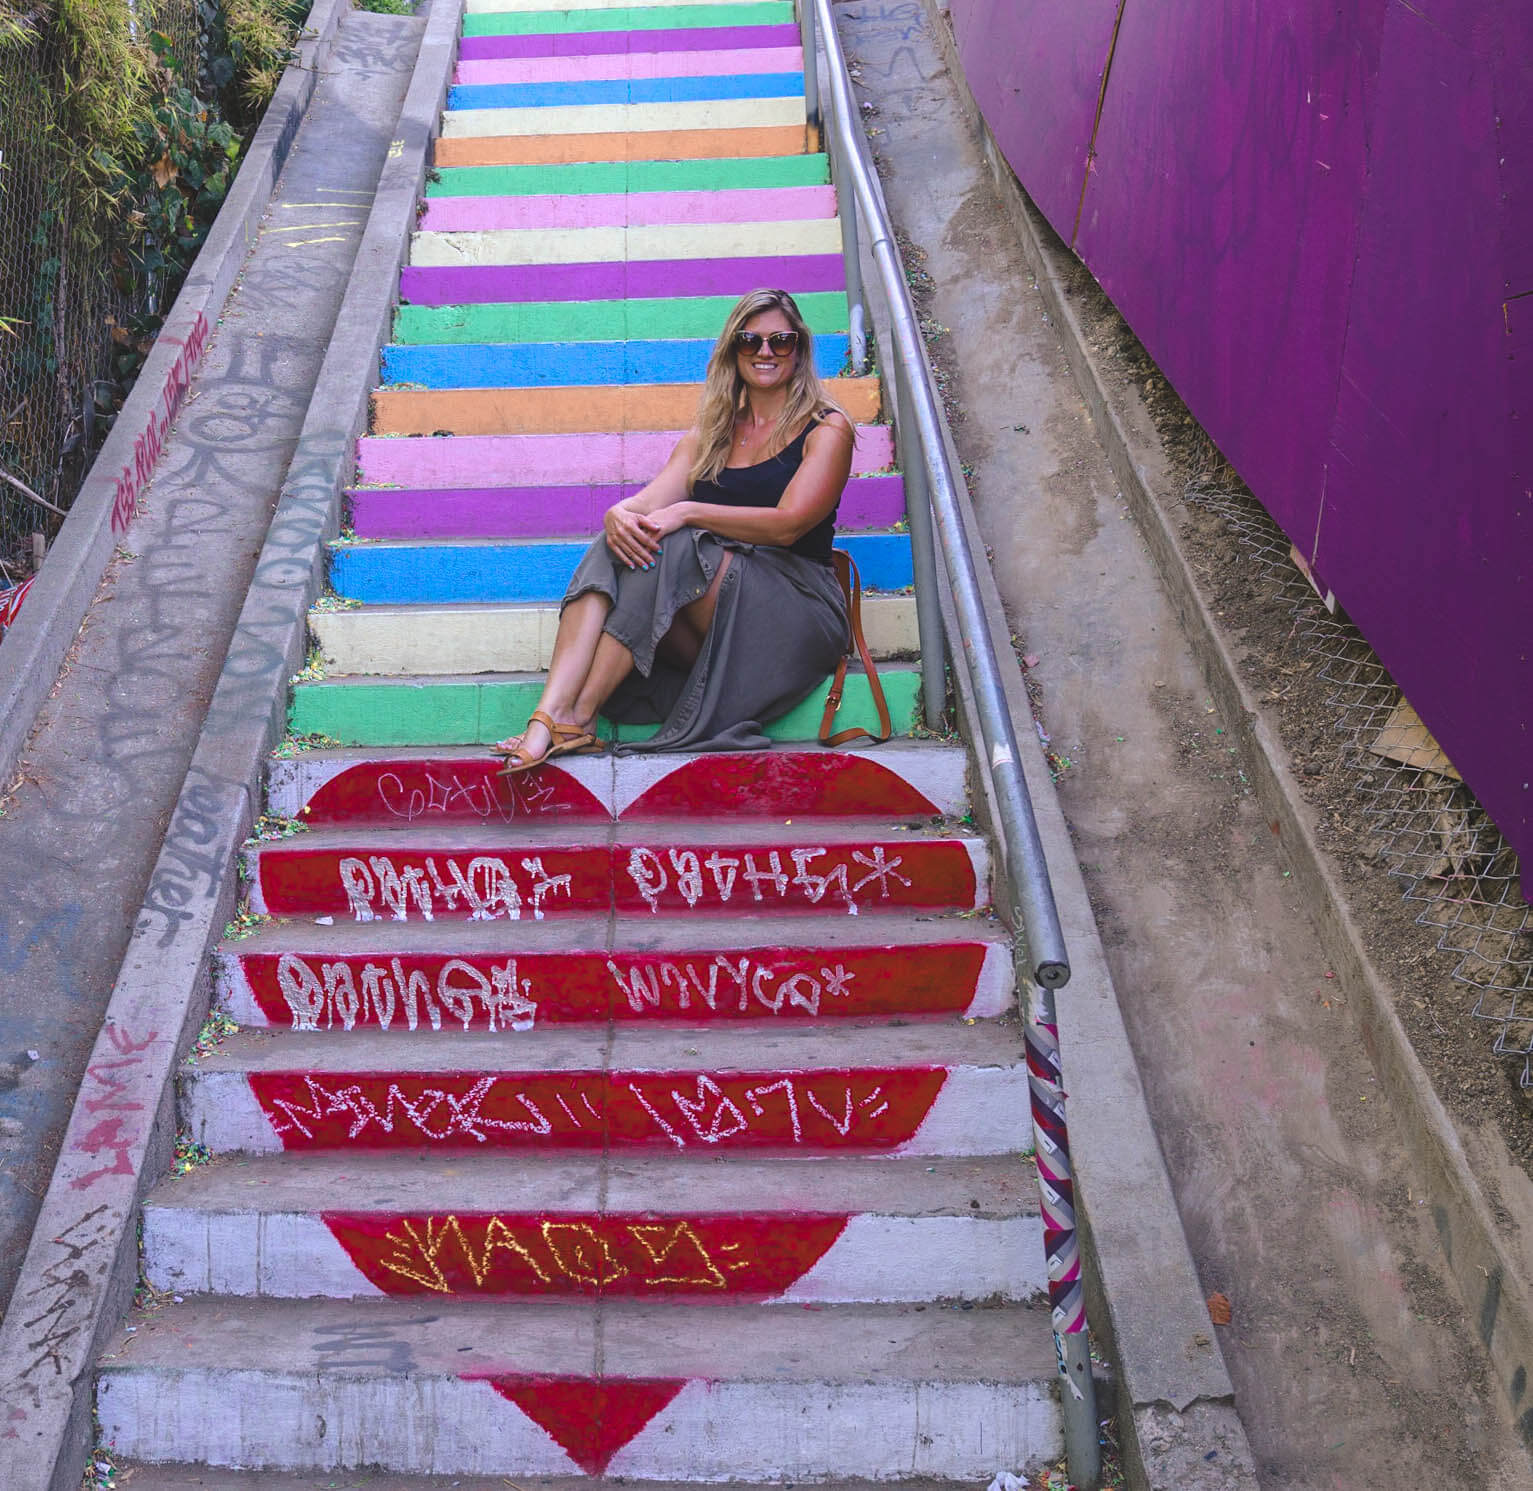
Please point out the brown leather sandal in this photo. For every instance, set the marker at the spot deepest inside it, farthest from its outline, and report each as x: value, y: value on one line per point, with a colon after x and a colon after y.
x: 563, y: 740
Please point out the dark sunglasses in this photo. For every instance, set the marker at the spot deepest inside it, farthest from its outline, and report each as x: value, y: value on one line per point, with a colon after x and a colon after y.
x: 781, y: 342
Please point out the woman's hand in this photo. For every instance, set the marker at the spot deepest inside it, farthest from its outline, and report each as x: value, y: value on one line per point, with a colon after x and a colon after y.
x: 627, y: 538
x: 657, y: 525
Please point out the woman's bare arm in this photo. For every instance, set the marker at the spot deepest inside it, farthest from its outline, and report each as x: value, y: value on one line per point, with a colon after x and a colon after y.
x: 810, y: 497
x: 626, y: 534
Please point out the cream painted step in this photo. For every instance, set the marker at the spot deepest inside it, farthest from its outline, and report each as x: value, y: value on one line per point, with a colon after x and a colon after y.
x: 516, y: 246
x: 751, y: 1393
x: 384, y: 639
x: 949, y: 1088
x: 897, y: 780
x: 642, y: 118
x: 683, y: 1228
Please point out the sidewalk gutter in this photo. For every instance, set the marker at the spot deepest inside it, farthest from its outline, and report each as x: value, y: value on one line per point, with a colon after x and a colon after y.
x: 1497, y: 1296
x: 82, y: 1264
x: 35, y: 646
x: 1177, y: 1421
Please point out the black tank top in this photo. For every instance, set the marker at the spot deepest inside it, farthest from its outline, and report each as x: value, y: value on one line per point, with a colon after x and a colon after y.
x: 763, y: 484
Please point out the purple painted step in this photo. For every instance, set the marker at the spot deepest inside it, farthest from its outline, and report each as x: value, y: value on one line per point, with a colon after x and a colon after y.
x: 453, y: 462
x: 654, y: 279
x: 558, y: 512
x: 591, y: 43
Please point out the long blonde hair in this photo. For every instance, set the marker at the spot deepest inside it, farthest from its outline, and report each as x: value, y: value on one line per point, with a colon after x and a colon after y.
x: 725, y: 392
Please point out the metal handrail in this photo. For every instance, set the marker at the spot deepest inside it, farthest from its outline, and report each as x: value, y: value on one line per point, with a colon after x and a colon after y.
x: 932, y: 503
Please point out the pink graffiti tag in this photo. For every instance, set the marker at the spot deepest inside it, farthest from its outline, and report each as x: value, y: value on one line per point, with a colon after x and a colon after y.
x: 106, y: 1135
x: 151, y: 439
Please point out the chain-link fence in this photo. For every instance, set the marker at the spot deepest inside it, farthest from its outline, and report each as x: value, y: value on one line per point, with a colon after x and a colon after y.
x: 59, y: 298
x: 1423, y: 824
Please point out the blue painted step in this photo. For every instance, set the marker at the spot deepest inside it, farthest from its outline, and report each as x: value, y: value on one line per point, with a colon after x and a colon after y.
x: 400, y: 574
x: 533, y: 364
x: 624, y: 91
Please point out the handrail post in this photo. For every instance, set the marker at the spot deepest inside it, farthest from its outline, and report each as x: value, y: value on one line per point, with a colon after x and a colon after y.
x: 1061, y: 1240
x: 923, y: 551
x: 811, y: 70
x: 1035, y: 918
x: 821, y: 115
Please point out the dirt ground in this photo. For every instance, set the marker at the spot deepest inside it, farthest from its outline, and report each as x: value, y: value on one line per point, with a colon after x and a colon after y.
x: 1478, y: 1086
x: 1354, y: 1365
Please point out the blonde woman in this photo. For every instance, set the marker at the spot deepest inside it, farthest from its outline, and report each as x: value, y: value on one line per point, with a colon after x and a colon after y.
x: 709, y: 605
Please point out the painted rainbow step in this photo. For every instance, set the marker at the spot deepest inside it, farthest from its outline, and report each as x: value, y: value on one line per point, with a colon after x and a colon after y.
x: 422, y: 979
x: 590, y: 92
x: 920, y: 1089
x: 499, y: 1389
x: 451, y: 641
x: 803, y: 274
x: 897, y: 780
x: 504, y: 7
x: 720, y: 39
x: 595, y: 409
x: 630, y: 18
x: 534, y: 569
x: 675, y: 63
x: 557, y: 211
x: 512, y: 461
x: 546, y: 364
x: 608, y: 144
x: 558, y: 511
x: 521, y: 246
x: 685, y: 317
x: 445, y: 711
x: 587, y: 119
x: 569, y: 1227
x: 515, y: 871
x: 602, y: 177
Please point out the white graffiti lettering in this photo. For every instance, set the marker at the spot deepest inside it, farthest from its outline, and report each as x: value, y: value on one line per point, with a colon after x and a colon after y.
x: 817, y: 874
x: 674, y: 985
x: 328, y: 995
x: 485, y: 887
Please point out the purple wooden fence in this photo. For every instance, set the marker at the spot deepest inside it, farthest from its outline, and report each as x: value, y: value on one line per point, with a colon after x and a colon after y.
x: 1318, y: 218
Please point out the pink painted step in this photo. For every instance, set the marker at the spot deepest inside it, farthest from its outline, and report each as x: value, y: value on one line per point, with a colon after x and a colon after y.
x: 625, y: 209
x: 736, y: 63
x: 558, y: 512
x: 459, y: 461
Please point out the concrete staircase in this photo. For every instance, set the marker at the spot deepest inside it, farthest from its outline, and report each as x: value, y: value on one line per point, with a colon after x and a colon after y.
x: 656, y: 1118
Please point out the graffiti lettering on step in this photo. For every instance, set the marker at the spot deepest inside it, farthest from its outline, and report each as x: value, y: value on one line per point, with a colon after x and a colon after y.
x: 502, y: 1253
x: 450, y: 792
x: 683, y: 875
x: 321, y: 994
x: 496, y: 992
x: 860, y: 1109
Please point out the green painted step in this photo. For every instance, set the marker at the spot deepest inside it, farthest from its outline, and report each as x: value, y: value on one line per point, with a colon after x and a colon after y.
x: 455, y: 712
x: 589, y: 178
x: 628, y: 18
x: 694, y: 316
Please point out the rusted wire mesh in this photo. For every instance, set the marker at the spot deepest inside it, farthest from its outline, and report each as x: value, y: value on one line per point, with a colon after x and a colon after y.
x: 58, y: 300
x: 1422, y: 824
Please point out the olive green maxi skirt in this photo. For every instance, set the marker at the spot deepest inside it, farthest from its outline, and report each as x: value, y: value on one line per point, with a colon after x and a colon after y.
x: 779, y: 628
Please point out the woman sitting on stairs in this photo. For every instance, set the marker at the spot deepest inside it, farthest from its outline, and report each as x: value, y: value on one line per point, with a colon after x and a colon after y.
x: 709, y: 604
